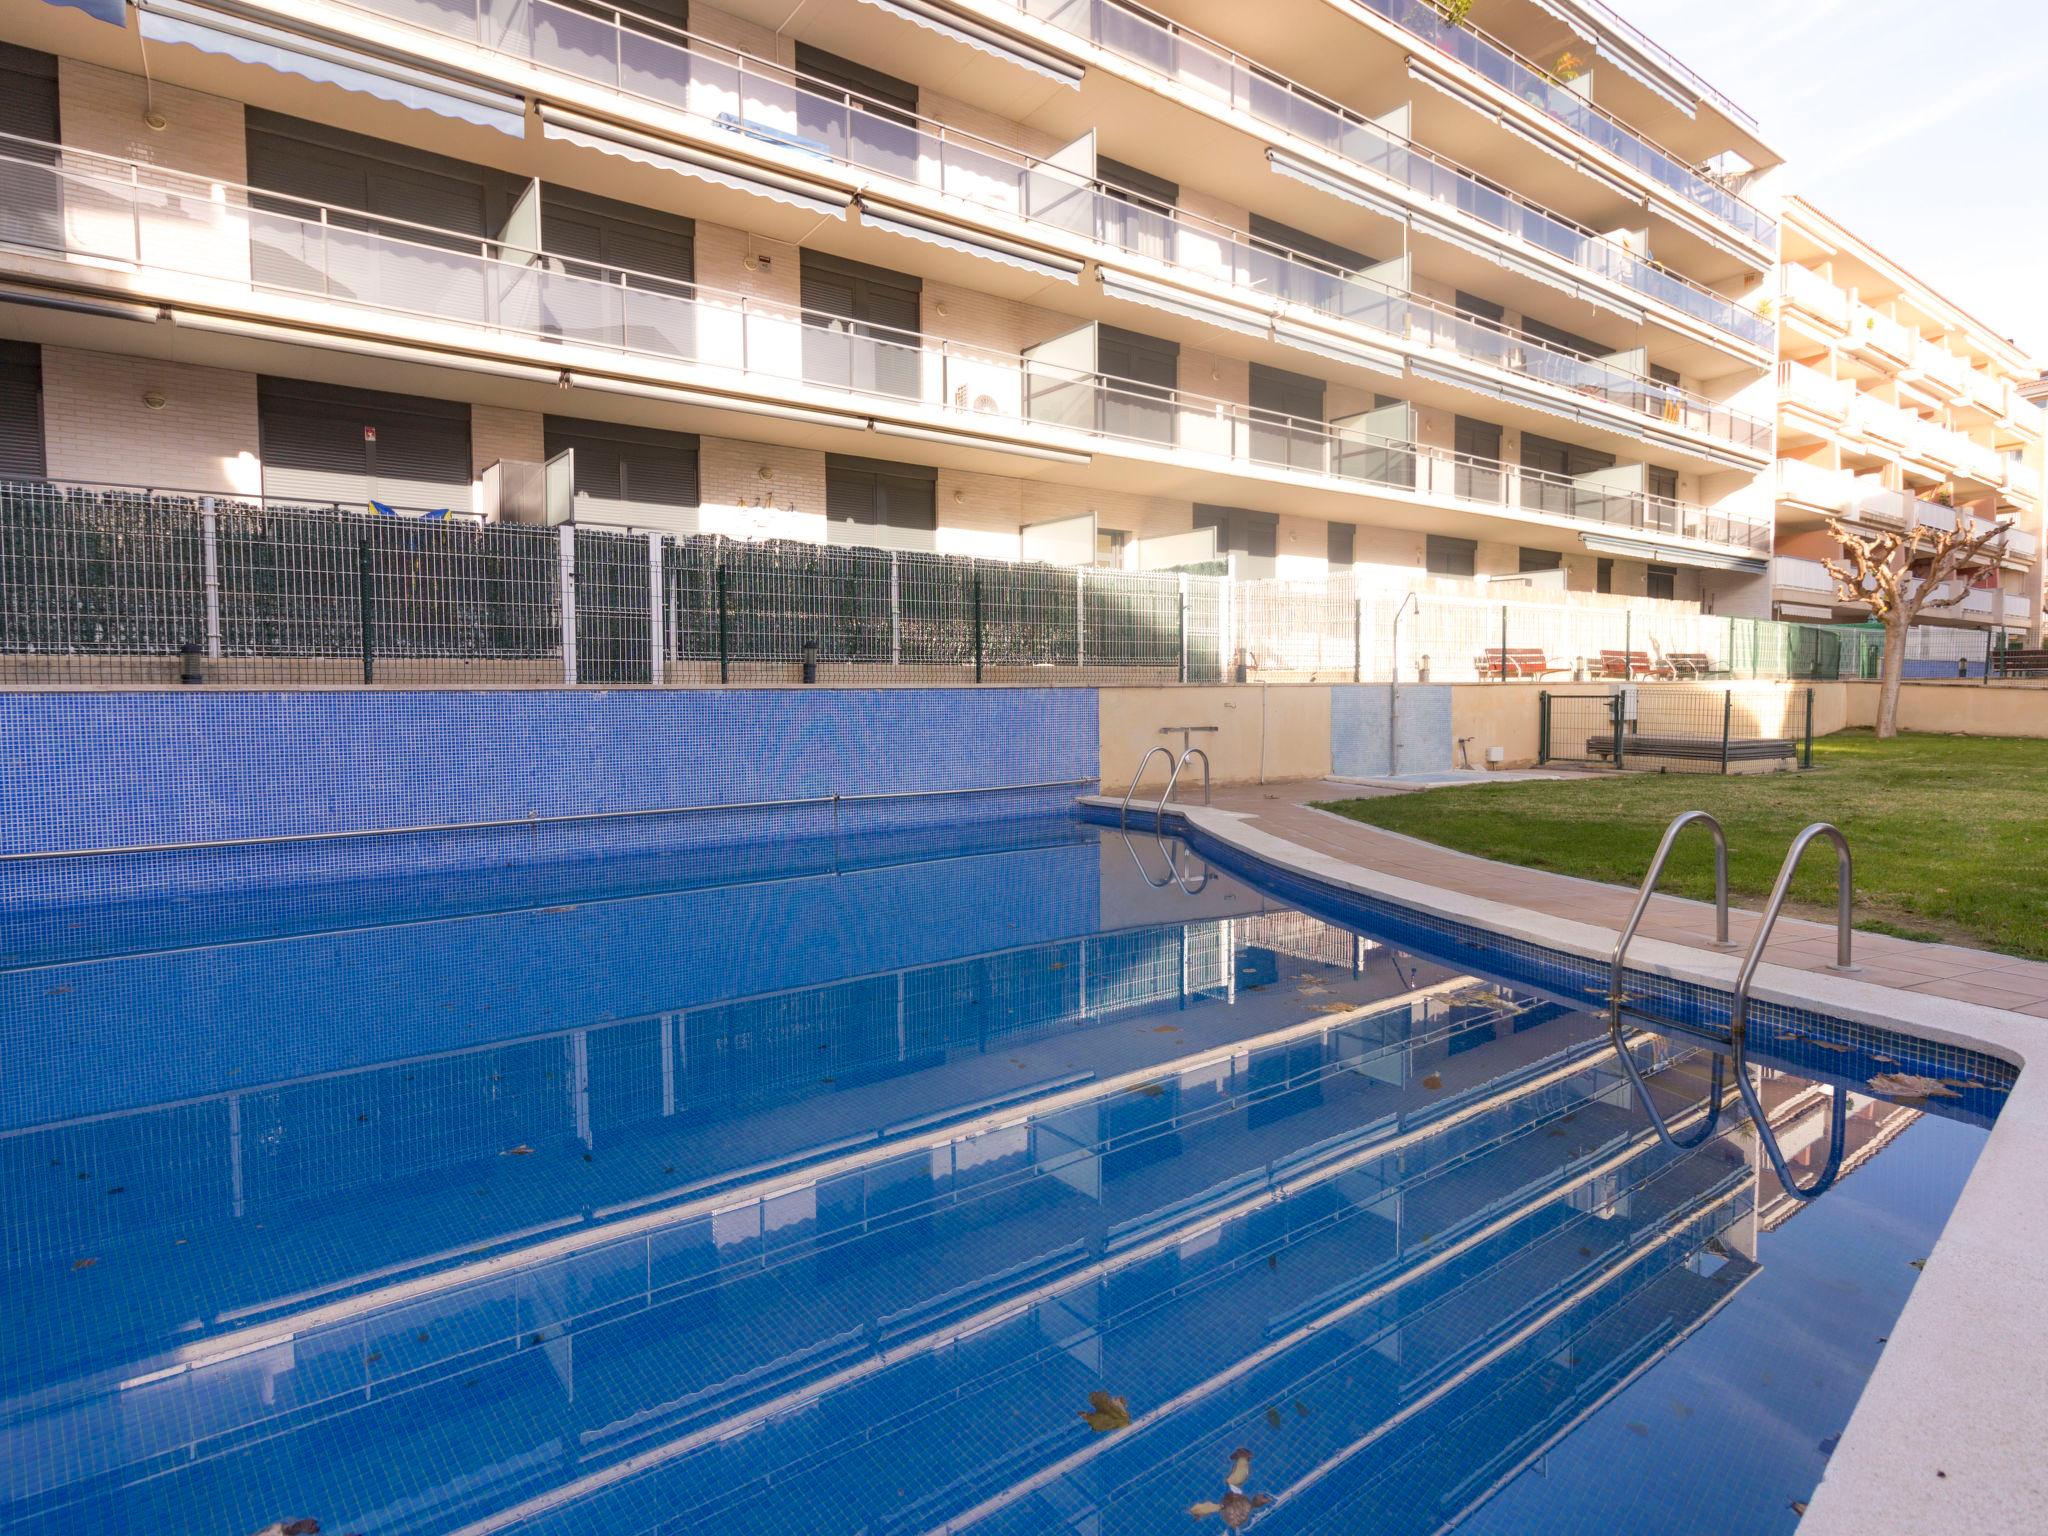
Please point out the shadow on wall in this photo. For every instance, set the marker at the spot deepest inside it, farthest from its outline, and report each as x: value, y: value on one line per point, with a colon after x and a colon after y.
x: 1359, y: 729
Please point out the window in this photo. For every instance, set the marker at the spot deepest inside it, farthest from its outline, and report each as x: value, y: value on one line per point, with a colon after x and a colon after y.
x: 1343, y: 545
x: 21, y: 409
x: 885, y: 95
x: 1663, y: 483
x: 1485, y: 311
x: 1109, y: 546
x: 1665, y: 375
x: 1558, y: 336
x: 1251, y: 539
x: 1603, y: 576
x: 1299, y: 244
x: 1534, y: 560
x: 626, y: 474
x: 1139, y: 215
x: 1662, y: 581
x: 1554, y: 463
x: 659, y: 249
x: 1477, y: 447
x: 325, y: 444
x: 872, y: 501
x: 860, y: 325
x: 1283, y: 404
x: 312, y: 161
x: 28, y: 94
x: 1139, y: 373
x: 1446, y: 556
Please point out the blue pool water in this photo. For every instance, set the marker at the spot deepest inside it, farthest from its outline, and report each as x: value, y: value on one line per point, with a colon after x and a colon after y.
x: 1008, y: 1177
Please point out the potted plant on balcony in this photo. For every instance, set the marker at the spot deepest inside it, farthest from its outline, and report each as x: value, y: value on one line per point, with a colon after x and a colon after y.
x: 1456, y: 12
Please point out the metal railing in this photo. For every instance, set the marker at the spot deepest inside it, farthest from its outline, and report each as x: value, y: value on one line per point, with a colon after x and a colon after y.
x: 1738, y: 1010
x: 760, y: 99
x: 60, y: 194
x: 1190, y: 58
x: 547, y: 304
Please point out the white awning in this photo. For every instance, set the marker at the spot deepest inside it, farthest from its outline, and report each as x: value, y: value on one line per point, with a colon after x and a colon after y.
x: 688, y: 160
x: 947, y: 22
x: 237, y: 37
x: 1631, y: 548
x: 919, y: 226
x: 1337, y: 186
x: 1340, y: 348
x: 1179, y: 301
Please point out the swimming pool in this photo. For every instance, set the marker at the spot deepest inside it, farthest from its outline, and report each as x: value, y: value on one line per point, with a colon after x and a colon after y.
x: 1007, y: 1180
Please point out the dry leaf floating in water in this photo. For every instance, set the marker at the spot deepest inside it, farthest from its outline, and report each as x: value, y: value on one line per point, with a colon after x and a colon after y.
x: 1106, y: 1414
x: 1236, y: 1506
x: 1433, y: 1082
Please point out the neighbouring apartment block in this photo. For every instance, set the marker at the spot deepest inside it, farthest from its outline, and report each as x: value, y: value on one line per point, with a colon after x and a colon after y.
x: 1897, y: 410
x: 1314, y: 286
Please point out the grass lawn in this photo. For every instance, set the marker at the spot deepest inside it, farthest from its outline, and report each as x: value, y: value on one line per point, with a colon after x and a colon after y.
x: 1950, y: 833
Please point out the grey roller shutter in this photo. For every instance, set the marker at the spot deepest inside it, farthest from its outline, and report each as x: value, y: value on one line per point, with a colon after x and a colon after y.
x: 21, y: 410
x: 325, y: 444
x: 860, y: 325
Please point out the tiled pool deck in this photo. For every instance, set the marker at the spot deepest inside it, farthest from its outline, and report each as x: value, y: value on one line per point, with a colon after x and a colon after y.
x: 1948, y: 1435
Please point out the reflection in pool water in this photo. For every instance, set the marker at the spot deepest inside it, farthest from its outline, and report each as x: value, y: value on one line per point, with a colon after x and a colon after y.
x: 1000, y: 1188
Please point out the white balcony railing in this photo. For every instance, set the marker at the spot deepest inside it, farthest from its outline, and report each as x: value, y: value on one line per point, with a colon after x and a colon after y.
x: 1873, y: 502
x: 2021, y: 546
x: 1811, y: 485
x: 1940, y: 367
x: 2025, y: 479
x: 185, y: 237
x: 1879, y: 337
x: 1980, y: 462
x: 1796, y: 574
x: 757, y: 99
x: 1814, y: 391
x: 1805, y: 289
x: 1871, y: 418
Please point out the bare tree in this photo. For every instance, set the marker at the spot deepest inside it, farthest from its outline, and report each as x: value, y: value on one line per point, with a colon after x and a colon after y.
x: 1902, y: 575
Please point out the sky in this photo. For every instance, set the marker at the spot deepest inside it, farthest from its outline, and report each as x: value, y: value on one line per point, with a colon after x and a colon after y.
x: 1922, y: 125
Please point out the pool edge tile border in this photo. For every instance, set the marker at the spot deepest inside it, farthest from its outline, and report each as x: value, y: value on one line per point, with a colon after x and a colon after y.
x: 1915, y: 1455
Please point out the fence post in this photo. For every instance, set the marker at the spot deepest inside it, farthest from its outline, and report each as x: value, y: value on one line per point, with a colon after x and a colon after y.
x: 566, y: 571
x: 1542, y: 727
x: 1619, y: 705
x: 1809, y: 729
x: 209, y: 530
x: 654, y: 588
x: 1727, y: 722
x: 1628, y: 646
x: 1183, y: 673
x: 1989, y: 635
x: 366, y: 598
x: 977, y: 622
x: 1503, y: 642
x: 724, y: 623
x: 1358, y: 639
x: 1080, y: 616
x: 895, y: 615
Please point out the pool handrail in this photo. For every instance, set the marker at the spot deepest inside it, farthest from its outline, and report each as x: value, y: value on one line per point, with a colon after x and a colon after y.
x: 1159, y: 811
x: 1717, y: 1091
x: 1738, y: 1011
x: 1124, y: 814
x: 1649, y: 888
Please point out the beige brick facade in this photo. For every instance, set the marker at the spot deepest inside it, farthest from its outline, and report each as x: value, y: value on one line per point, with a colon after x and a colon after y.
x: 100, y: 425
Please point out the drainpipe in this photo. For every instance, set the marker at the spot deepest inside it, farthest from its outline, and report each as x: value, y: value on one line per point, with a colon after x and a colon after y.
x: 1394, y: 687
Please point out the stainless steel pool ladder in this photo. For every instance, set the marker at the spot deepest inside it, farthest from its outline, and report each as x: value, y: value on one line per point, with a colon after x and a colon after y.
x: 1176, y: 871
x: 1173, y: 778
x: 1738, y: 1012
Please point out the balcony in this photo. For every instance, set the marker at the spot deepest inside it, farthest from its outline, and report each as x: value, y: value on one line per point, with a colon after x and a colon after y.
x: 576, y: 324
x: 1814, y: 391
x: 1873, y: 502
x: 1881, y: 342
x: 1807, y: 291
x: 1268, y: 282
x: 1168, y: 50
x: 1871, y: 418
x: 1790, y: 573
x: 2024, y: 478
x: 1980, y: 463
x: 756, y: 100
x: 1808, y: 485
x: 1940, y: 368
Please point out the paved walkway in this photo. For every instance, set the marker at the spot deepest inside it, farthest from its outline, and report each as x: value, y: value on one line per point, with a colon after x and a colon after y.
x: 1941, y: 970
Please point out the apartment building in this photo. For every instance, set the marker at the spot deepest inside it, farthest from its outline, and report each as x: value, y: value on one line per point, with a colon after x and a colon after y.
x: 1897, y: 409
x: 1313, y: 287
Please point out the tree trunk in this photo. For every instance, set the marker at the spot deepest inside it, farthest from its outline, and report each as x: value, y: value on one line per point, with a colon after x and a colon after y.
x: 1891, y: 672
